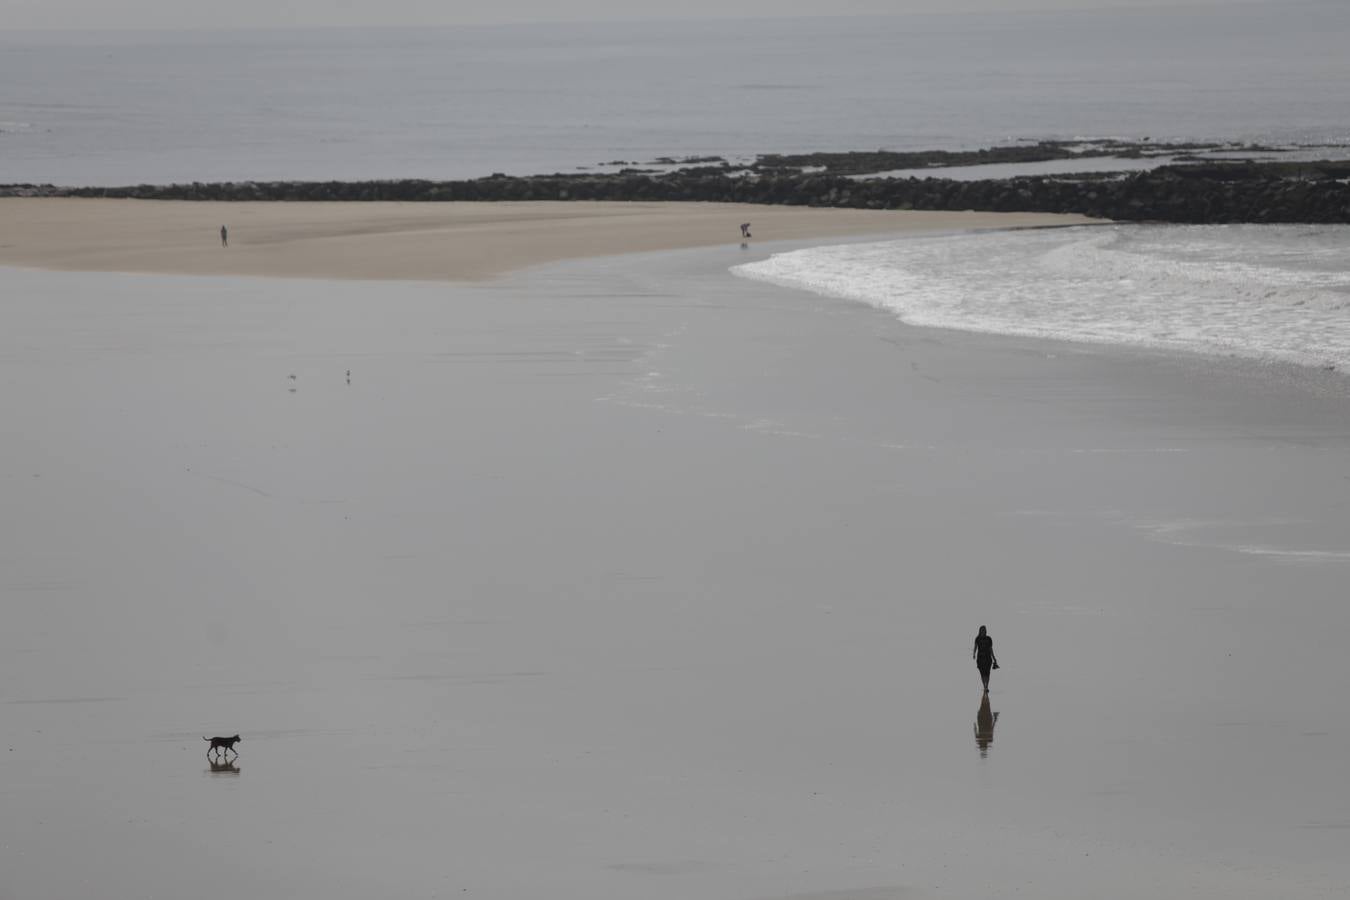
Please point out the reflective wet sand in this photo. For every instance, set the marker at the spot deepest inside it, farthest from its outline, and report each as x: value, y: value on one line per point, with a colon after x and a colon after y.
x: 630, y: 578
x: 985, y: 720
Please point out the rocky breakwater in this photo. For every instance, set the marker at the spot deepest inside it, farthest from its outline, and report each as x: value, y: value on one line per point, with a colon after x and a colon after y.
x: 1189, y: 193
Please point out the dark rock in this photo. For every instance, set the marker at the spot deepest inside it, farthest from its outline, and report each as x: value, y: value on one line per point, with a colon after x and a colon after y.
x: 1208, y: 192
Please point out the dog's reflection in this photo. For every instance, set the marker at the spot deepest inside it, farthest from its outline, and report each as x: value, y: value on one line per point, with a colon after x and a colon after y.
x: 985, y: 720
x: 222, y: 767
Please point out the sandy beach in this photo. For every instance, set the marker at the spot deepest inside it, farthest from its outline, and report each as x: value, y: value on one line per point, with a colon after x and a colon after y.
x: 628, y: 577
x: 595, y: 551
x: 408, y: 241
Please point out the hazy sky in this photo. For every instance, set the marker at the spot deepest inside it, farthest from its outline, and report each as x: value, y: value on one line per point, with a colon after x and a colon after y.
x: 280, y: 13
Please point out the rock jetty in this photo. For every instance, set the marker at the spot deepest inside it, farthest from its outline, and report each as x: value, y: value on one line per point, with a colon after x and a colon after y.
x: 1197, y: 192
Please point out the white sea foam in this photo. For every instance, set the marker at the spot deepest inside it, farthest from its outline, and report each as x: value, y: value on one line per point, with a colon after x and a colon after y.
x: 1278, y: 291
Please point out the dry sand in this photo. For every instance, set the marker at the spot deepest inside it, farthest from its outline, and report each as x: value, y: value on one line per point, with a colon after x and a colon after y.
x: 414, y: 241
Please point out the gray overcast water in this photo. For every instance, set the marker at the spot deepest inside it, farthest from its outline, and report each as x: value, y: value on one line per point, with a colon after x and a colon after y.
x: 464, y: 102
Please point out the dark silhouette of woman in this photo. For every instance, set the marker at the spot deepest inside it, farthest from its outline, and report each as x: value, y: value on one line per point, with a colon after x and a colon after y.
x: 985, y: 720
x: 984, y: 655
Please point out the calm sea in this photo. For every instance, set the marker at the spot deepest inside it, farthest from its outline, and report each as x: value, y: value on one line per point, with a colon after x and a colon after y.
x: 119, y: 108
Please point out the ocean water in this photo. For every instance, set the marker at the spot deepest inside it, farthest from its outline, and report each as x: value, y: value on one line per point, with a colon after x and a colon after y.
x: 157, y: 107
x: 136, y: 107
x: 1279, y: 292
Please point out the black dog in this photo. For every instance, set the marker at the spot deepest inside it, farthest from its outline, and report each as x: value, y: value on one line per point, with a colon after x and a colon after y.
x: 222, y: 743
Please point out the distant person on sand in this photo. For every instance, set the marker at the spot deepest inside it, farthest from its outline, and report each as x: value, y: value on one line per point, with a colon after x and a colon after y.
x: 224, y: 237
x: 745, y: 230
x: 984, y: 655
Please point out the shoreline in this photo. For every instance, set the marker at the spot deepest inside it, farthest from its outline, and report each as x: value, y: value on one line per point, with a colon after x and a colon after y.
x: 527, y: 555
x: 418, y: 241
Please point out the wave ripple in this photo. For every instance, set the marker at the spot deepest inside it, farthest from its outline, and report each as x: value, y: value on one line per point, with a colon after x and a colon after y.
x: 1263, y: 291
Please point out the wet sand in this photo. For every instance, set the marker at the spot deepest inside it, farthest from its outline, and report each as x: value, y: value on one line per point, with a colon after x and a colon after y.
x: 629, y: 578
x: 413, y: 241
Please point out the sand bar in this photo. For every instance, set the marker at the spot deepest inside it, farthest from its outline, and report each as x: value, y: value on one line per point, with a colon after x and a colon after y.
x: 414, y: 241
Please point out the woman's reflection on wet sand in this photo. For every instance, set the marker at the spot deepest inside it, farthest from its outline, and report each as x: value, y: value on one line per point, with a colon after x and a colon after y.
x: 984, y: 726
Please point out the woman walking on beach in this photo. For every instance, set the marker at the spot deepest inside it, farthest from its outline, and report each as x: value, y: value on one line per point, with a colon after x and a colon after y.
x: 984, y: 656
